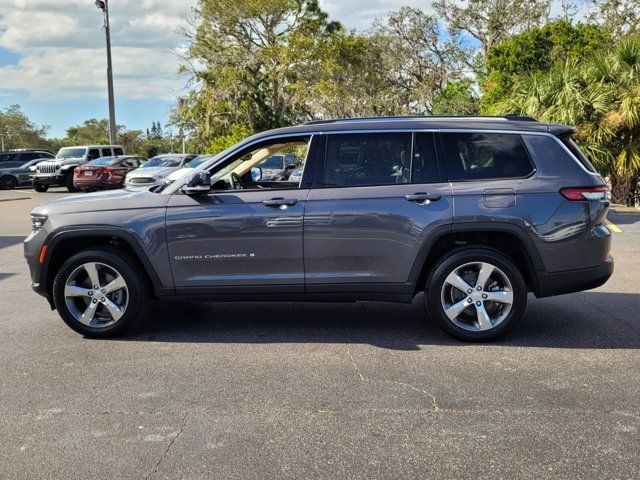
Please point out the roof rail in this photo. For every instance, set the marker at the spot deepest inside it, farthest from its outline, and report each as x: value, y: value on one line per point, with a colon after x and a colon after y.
x: 511, y: 117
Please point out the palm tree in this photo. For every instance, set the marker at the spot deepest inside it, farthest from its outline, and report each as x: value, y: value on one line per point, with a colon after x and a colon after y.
x: 602, y: 98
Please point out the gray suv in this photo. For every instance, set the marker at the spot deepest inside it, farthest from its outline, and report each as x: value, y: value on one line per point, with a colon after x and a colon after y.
x: 474, y: 212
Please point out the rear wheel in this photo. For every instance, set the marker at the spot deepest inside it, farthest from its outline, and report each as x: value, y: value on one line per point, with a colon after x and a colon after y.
x: 476, y: 294
x: 68, y: 182
x: 40, y: 187
x: 8, y: 183
x: 99, y: 293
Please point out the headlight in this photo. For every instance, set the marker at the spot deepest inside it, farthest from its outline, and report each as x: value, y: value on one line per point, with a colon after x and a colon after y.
x: 38, y: 221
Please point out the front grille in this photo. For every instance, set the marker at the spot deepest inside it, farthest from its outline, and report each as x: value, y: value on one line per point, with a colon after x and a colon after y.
x: 47, y: 168
x: 141, y: 180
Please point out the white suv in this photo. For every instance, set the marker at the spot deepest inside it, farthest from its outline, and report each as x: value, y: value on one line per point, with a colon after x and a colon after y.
x: 59, y: 171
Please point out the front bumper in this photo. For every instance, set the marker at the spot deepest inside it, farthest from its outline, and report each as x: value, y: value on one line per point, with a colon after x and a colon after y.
x: 570, y: 281
x: 49, y: 179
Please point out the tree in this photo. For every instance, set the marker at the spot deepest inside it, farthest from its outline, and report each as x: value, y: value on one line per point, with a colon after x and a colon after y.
x: 241, y: 60
x: 18, y: 131
x: 490, y: 21
x: 419, y: 59
x: 536, y: 50
x: 601, y: 97
x: 621, y: 17
x: 456, y: 98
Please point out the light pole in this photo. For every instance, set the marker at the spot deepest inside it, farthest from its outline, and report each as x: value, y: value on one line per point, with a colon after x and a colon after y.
x: 104, y: 6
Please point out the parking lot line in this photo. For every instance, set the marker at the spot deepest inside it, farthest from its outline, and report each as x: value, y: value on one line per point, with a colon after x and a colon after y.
x: 613, y: 226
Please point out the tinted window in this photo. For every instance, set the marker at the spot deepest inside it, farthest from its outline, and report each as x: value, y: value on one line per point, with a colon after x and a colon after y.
x: 582, y: 158
x: 7, y: 157
x: 368, y: 159
x: 118, y: 151
x: 107, y: 152
x: 93, y: 154
x: 425, y: 162
x: 27, y: 157
x: 476, y: 156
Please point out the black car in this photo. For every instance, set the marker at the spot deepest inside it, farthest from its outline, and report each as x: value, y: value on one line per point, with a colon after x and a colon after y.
x: 17, y: 158
x: 11, y: 178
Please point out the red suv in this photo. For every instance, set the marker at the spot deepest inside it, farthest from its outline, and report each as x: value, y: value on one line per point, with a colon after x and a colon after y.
x: 105, y: 172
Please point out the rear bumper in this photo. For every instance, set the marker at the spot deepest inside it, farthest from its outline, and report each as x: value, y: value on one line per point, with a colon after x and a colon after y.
x: 570, y: 281
x: 96, y: 183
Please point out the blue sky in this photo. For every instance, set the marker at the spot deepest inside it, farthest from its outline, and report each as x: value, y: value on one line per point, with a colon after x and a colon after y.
x: 52, y: 58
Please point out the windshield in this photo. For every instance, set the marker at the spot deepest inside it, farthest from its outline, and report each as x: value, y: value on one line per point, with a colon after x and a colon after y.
x: 274, y: 162
x: 103, y: 161
x: 198, y: 161
x: 162, y: 162
x: 71, y: 153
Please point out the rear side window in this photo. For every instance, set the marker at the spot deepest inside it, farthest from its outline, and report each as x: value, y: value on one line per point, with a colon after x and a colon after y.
x: 107, y: 152
x: 575, y: 150
x: 93, y: 154
x: 425, y: 162
x: 482, y: 156
x: 368, y: 159
x: 118, y: 151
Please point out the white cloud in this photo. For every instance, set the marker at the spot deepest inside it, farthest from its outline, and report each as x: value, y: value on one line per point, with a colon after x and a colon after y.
x: 61, y: 44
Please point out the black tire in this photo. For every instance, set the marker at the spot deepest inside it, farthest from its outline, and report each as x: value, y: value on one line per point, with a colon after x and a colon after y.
x: 458, y: 258
x: 39, y: 187
x: 8, y: 182
x: 127, y: 267
x: 68, y: 182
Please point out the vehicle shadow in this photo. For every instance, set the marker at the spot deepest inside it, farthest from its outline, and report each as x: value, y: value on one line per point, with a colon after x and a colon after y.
x: 585, y: 320
x: 10, y: 240
x: 624, y: 218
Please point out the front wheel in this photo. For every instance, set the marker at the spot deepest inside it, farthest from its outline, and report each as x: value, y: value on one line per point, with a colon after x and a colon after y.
x: 40, y: 187
x: 68, y: 182
x: 476, y: 294
x: 8, y: 183
x: 99, y: 293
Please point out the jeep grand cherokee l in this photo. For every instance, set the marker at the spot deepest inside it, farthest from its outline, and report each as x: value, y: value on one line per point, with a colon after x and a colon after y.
x: 475, y: 212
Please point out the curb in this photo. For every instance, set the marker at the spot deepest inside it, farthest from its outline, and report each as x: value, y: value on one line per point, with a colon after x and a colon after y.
x: 13, y: 199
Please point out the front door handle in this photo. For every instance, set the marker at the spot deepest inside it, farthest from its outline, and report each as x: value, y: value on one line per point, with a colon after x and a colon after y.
x: 422, y: 197
x: 280, y: 202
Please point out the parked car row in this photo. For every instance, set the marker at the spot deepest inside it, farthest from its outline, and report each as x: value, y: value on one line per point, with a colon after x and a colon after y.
x: 96, y: 167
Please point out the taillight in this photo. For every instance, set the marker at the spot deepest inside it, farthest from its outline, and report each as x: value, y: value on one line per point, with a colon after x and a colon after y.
x: 585, y: 193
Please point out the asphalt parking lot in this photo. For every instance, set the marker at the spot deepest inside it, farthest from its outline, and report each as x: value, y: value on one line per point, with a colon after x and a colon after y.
x: 367, y: 390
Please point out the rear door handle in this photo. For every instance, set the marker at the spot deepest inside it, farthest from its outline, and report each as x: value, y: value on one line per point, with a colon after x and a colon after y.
x: 280, y: 202
x: 422, y: 197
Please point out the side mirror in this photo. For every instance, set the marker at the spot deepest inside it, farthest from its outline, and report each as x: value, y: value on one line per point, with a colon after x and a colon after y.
x: 256, y: 174
x: 198, y: 183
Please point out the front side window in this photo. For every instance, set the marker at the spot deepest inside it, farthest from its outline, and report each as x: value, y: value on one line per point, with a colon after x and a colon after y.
x: 250, y: 169
x: 368, y: 159
x: 483, y: 156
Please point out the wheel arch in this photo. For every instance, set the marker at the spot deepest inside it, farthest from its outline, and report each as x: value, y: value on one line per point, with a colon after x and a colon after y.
x: 508, y: 238
x: 62, y: 244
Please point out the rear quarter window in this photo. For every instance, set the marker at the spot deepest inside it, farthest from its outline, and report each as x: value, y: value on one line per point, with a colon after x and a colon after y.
x: 575, y: 150
x: 485, y: 156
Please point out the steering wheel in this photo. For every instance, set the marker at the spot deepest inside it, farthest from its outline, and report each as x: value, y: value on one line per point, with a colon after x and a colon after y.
x: 236, y: 181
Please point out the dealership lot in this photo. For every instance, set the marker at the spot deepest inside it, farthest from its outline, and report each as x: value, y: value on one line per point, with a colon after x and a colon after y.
x: 367, y: 390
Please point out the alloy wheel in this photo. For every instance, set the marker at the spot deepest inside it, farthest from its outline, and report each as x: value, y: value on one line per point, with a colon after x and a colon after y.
x: 96, y: 294
x: 477, y: 296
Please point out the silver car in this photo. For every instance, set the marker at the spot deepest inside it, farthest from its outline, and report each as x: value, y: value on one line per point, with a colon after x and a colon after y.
x: 156, y: 171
